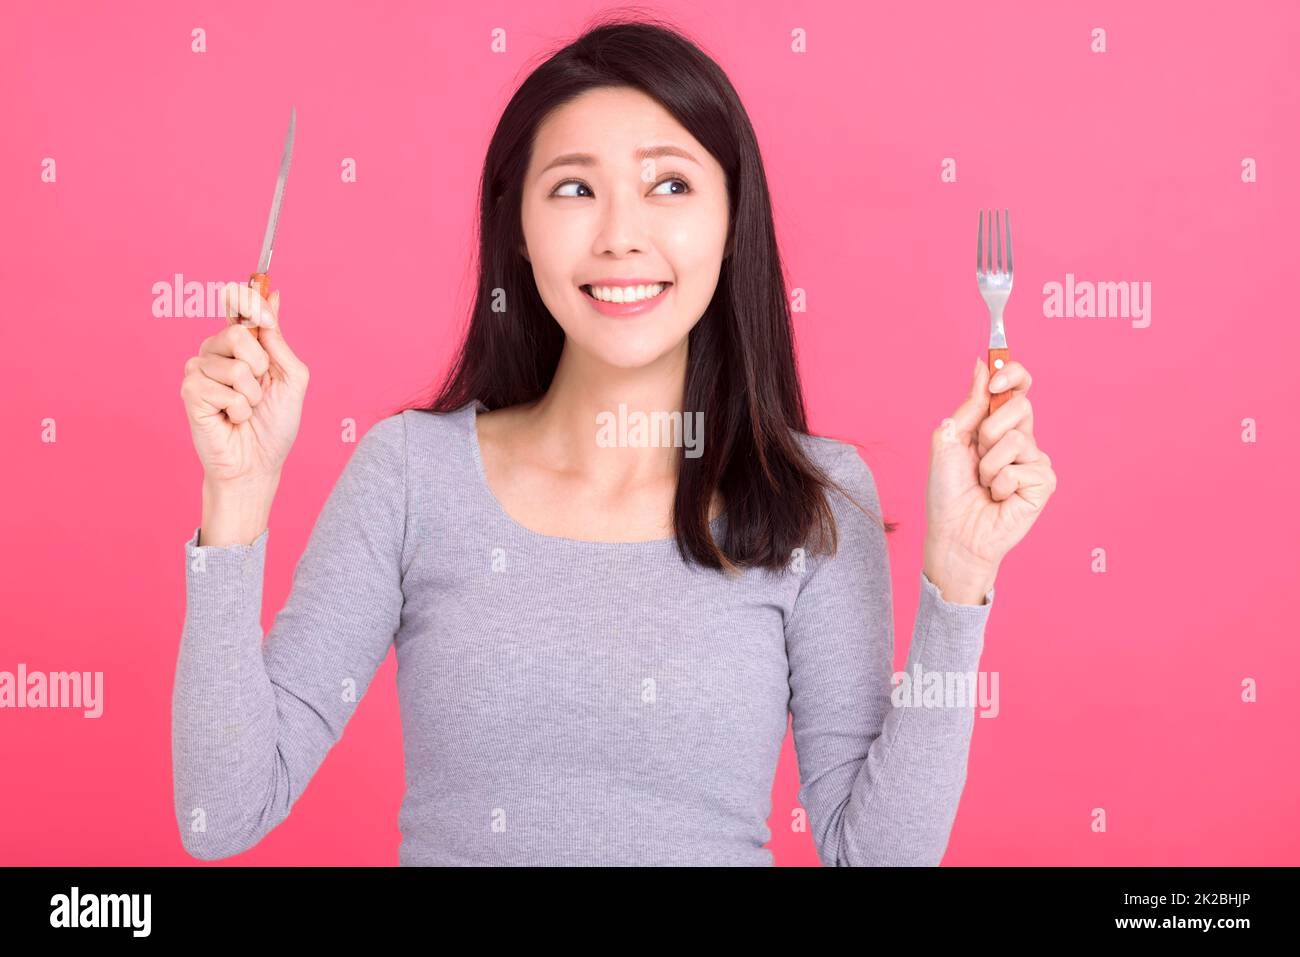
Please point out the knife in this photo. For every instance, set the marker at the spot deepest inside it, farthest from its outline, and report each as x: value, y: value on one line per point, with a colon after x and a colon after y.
x: 261, y: 280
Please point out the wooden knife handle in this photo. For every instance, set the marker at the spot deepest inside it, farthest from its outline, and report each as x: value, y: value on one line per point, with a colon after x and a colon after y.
x: 262, y: 283
x: 998, y: 358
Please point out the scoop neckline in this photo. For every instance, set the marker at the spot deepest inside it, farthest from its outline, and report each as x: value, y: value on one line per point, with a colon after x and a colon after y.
x: 470, y: 412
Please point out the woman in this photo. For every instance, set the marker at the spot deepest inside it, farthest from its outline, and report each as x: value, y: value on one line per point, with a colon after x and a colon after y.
x: 600, y: 636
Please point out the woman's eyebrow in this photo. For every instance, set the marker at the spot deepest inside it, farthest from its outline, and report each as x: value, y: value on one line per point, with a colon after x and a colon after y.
x: 586, y: 159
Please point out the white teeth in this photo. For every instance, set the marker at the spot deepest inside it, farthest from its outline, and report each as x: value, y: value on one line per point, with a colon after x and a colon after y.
x: 626, y: 293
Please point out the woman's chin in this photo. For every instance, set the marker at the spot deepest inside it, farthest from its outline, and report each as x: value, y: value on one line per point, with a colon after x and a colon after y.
x: 623, y: 350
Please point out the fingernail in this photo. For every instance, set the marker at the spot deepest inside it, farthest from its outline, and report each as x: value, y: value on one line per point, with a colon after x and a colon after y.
x: 998, y: 382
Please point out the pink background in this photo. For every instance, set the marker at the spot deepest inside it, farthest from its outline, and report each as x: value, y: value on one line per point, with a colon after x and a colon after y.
x: 1119, y: 691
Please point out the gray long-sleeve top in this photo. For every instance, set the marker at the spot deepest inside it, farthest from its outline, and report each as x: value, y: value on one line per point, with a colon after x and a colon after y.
x: 562, y: 701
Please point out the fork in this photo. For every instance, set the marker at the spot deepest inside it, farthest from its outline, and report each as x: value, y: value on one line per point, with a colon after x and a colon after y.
x: 995, y: 287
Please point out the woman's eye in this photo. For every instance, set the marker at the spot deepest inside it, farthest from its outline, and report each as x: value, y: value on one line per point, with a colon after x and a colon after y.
x: 570, y: 182
x: 579, y: 184
x: 675, y: 179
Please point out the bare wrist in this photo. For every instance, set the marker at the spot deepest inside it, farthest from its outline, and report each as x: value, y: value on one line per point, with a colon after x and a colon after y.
x: 959, y: 579
x: 236, y: 512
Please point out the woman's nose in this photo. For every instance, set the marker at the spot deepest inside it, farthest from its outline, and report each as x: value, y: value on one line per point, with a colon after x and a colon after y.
x: 623, y: 225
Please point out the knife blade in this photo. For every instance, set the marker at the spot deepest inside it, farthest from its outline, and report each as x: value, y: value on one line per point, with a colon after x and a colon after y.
x: 260, y: 279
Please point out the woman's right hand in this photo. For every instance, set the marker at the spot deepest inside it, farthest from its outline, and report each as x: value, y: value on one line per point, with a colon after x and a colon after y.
x: 243, y: 393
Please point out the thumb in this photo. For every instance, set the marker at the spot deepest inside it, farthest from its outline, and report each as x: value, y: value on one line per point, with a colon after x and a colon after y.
x: 271, y: 336
x: 976, y: 406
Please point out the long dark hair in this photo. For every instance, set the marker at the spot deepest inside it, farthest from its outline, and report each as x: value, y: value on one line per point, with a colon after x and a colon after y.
x: 741, y: 364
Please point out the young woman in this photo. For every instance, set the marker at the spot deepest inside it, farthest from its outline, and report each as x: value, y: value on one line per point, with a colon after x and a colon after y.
x: 600, y: 634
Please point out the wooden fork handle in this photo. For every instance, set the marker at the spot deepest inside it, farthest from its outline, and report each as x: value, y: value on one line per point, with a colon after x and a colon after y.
x: 998, y: 358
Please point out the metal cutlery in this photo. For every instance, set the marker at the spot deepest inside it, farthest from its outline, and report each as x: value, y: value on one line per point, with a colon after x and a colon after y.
x: 260, y: 279
x: 995, y: 286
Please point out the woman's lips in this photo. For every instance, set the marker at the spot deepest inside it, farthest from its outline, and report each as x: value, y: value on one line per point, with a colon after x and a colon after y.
x: 625, y: 308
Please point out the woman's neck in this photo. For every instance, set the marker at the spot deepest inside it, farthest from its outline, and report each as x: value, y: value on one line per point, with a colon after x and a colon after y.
x: 580, y: 423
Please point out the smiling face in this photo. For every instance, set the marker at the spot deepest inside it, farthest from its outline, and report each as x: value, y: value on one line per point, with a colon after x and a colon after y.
x: 618, y: 195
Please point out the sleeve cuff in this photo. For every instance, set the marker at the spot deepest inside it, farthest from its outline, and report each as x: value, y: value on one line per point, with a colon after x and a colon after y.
x: 953, y: 632
x: 223, y: 583
x: 930, y: 588
x: 192, y: 546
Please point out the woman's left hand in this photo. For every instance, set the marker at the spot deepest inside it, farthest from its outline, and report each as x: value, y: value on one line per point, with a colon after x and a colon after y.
x: 989, y: 482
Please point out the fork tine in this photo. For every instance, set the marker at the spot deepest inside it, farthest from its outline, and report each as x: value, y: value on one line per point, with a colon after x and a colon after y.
x: 988, y: 256
x: 1008, y: 242
x: 988, y: 246
x: 979, y: 246
x: 997, y: 229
